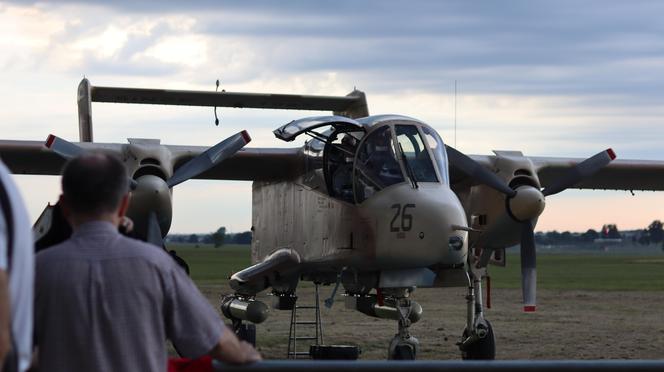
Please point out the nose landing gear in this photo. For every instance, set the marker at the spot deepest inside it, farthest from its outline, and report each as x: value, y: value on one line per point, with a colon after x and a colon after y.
x: 403, y: 346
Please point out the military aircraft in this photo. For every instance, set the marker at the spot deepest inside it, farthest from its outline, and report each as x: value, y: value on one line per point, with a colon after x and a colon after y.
x: 377, y: 204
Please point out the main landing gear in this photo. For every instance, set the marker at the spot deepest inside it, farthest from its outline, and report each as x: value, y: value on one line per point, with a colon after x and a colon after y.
x: 403, y: 346
x: 477, y: 341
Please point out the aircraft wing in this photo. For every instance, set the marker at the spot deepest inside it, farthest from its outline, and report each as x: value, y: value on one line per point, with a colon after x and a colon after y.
x: 249, y: 164
x: 620, y: 174
x: 33, y: 157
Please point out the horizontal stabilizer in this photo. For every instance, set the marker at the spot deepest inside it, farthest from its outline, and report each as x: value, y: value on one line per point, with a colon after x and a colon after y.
x: 353, y: 105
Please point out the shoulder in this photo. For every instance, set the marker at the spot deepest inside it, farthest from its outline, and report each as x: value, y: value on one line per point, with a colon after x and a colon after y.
x: 53, y: 251
x: 137, y: 248
x: 115, y: 248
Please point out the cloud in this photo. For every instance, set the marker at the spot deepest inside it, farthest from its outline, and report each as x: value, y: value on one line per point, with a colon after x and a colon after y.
x: 563, y: 78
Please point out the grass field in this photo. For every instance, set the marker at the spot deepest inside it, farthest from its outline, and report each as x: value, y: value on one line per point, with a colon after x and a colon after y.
x: 590, y: 306
x: 211, y: 265
x: 587, y: 272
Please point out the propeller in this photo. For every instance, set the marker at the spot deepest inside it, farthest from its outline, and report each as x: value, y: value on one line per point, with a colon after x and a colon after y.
x: 152, y: 199
x: 573, y: 176
x: 528, y: 267
x: 62, y: 147
x: 476, y: 171
x: 212, y: 156
x: 153, y: 234
x: 525, y: 203
x: 582, y: 170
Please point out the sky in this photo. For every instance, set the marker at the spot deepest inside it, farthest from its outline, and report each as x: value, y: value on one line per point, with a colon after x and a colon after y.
x: 564, y: 78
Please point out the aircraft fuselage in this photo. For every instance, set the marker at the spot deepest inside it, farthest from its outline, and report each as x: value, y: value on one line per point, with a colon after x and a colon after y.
x: 400, y: 227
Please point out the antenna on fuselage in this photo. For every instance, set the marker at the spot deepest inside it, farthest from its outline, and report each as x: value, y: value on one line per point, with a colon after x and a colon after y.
x: 455, y: 113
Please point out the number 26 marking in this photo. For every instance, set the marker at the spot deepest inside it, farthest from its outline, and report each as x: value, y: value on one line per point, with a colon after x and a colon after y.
x: 406, y: 218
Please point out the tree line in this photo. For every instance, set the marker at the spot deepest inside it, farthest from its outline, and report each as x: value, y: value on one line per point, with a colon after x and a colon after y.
x: 652, y: 234
x: 217, y: 238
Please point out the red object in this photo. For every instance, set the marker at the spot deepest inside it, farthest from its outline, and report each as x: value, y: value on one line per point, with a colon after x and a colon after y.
x: 612, y: 154
x: 202, y: 364
x: 529, y: 308
x: 379, y: 297
x: 246, y: 136
x: 50, y: 140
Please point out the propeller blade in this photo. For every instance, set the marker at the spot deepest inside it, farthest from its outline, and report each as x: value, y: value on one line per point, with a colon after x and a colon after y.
x: 153, y: 235
x: 582, y: 170
x: 62, y: 147
x: 475, y: 170
x: 528, y: 267
x: 211, y: 157
x: 69, y: 150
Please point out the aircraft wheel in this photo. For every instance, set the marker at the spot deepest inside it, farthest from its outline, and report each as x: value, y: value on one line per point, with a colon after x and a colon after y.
x: 403, y: 349
x: 483, y: 349
x: 404, y: 352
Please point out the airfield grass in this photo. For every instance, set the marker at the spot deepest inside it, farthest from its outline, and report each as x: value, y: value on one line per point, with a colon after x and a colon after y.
x: 209, y: 265
x: 618, y: 292
x: 595, y: 272
x: 212, y: 266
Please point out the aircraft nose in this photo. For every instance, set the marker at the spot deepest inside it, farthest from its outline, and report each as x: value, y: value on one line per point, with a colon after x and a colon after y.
x: 451, y: 226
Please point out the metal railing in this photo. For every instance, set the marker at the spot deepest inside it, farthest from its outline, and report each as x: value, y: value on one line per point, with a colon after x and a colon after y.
x: 464, y: 366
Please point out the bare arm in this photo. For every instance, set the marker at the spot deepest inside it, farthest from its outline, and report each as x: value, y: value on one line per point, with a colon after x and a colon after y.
x: 230, y: 349
x: 5, y: 339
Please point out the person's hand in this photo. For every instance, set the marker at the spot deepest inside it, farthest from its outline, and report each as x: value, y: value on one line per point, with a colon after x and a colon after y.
x: 232, y: 350
x: 126, y: 225
x: 251, y: 355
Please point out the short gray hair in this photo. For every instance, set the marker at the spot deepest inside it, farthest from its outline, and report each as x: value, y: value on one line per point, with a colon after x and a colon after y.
x: 94, y: 183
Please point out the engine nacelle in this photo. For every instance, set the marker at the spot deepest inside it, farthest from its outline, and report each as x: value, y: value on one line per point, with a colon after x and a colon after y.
x: 499, y: 218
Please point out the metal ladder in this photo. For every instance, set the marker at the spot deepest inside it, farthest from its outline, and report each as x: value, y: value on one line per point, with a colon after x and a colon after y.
x: 293, y: 337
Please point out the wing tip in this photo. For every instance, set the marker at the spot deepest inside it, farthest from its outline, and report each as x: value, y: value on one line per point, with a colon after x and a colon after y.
x: 529, y: 308
x: 611, y: 153
x: 246, y: 136
x: 49, y: 141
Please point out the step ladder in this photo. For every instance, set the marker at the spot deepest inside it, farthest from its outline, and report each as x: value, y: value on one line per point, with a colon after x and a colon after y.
x: 305, y: 332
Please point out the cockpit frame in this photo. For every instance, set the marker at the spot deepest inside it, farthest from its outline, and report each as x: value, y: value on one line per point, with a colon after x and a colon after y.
x: 434, y: 162
x: 338, y: 151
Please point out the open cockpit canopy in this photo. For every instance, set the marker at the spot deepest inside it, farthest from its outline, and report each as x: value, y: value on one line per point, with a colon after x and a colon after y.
x: 361, y: 157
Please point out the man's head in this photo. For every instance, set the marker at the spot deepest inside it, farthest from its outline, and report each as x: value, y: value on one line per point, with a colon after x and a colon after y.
x: 94, y: 185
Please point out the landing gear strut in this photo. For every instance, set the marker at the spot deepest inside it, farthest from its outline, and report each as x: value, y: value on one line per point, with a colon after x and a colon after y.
x: 403, y: 346
x: 245, y: 331
x: 477, y: 341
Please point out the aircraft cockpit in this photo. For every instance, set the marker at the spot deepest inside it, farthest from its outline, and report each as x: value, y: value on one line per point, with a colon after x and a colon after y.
x: 354, y: 159
x: 397, y: 150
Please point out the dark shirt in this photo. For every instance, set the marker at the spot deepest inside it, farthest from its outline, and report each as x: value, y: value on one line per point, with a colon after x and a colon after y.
x: 105, y: 302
